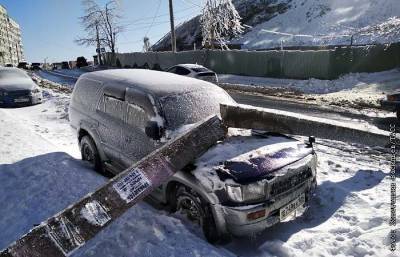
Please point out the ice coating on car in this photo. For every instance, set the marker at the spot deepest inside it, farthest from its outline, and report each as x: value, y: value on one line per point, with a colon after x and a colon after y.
x: 245, y: 150
x: 246, y: 168
x: 15, y: 79
x: 191, y: 107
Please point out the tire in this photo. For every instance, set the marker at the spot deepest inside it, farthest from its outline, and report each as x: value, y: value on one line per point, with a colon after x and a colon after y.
x: 91, y: 155
x: 398, y: 115
x: 198, y: 211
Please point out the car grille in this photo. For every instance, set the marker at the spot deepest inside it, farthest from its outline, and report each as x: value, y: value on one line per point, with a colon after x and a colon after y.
x: 291, y: 182
x: 18, y: 93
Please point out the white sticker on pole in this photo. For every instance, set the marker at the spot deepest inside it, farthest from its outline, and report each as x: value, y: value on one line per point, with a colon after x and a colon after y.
x: 95, y: 213
x: 132, y: 185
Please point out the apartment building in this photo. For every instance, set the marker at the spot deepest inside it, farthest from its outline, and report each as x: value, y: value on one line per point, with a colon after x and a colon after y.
x: 11, y: 48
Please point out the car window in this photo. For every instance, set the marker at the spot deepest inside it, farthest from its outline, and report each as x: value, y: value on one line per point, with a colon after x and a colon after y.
x: 87, y: 92
x: 191, y: 107
x: 172, y: 70
x: 182, y: 71
x: 112, y: 106
x: 136, y: 116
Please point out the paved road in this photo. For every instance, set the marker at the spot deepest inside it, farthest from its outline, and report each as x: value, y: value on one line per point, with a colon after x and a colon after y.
x: 338, y: 114
x: 314, y: 110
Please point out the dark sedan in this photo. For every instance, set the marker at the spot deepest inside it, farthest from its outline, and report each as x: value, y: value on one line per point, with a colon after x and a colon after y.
x: 392, y: 103
x: 17, y: 88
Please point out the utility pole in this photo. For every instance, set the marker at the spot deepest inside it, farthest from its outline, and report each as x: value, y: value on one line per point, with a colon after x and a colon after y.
x: 98, y: 50
x: 173, y: 37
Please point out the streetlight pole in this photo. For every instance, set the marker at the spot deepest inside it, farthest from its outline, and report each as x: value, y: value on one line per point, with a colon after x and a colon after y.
x: 173, y: 36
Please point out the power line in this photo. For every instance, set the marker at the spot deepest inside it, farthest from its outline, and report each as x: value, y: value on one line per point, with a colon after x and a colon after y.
x: 152, y: 22
x: 132, y: 22
x: 159, y: 23
x: 191, y: 3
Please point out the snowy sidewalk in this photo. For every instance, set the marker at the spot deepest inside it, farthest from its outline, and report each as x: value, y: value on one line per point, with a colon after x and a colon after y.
x: 38, y: 179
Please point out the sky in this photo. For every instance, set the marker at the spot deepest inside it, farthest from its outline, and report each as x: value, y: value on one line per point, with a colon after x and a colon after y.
x: 49, y: 27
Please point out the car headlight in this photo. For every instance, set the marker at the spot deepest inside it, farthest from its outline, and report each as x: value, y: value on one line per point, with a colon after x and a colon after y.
x: 246, y: 193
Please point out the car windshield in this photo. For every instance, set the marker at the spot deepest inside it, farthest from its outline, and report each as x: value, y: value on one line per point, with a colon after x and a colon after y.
x: 191, y: 107
x: 12, y: 74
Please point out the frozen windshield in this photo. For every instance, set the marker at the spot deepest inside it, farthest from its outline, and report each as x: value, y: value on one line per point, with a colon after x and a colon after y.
x: 12, y: 74
x: 191, y: 107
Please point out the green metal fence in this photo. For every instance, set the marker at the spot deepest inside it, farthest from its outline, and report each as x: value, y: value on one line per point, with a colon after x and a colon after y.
x: 294, y: 64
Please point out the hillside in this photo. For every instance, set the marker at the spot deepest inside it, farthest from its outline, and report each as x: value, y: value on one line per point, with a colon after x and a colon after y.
x: 304, y: 23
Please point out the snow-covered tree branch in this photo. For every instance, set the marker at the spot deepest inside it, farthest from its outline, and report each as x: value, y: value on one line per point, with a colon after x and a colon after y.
x: 220, y: 22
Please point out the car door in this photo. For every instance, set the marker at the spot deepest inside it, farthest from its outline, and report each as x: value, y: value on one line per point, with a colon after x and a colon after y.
x: 111, y: 115
x: 136, y: 144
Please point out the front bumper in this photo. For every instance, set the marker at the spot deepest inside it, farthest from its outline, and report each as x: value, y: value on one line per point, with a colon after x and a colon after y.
x: 30, y: 99
x: 236, y: 220
x: 390, y: 105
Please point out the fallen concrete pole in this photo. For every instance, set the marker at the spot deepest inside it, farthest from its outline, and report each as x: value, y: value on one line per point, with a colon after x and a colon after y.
x: 71, y: 228
x: 249, y: 117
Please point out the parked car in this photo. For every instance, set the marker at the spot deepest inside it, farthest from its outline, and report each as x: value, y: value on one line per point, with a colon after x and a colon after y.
x: 65, y: 65
x: 36, y: 66
x: 23, y: 65
x: 17, y: 88
x: 392, y: 103
x: 9, y: 65
x: 194, y: 71
x: 241, y: 186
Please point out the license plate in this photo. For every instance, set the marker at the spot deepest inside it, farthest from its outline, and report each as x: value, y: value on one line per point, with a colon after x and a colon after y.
x: 285, y: 211
x: 21, y: 100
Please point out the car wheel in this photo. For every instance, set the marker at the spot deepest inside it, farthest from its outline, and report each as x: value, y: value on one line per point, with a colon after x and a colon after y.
x: 196, y: 209
x: 90, y: 154
x: 398, y: 115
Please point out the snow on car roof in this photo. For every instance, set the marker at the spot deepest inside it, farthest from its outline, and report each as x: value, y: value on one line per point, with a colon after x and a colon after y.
x: 155, y: 82
x: 12, y: 69
x: 191, y: 65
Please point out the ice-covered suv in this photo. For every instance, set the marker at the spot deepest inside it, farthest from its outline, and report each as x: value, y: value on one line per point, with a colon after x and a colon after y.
x: 242, y: 185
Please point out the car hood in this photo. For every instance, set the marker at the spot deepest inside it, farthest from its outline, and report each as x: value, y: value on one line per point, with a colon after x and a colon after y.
x: 260, y: 166
x: 246, y: 159
x: 17, y: 84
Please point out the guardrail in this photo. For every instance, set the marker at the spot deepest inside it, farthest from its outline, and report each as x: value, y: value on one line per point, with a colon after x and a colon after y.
x: 243, y: 116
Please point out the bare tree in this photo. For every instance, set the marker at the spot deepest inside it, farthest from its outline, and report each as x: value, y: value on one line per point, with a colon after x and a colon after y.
x: 102, y: 26
x: 146, y: 44
x: 91, y: 22
x: 219, y: 22
x: 111, y: 24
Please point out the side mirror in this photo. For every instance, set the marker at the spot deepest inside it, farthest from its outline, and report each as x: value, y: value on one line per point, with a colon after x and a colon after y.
x: 311, y: 140
x: 153, y: 130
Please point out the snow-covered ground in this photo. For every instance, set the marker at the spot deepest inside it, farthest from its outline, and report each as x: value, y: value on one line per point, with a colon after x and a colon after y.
x: 353, y: 90
x: 327, y: 22
x: 276, y: 23
x: 40, y: 174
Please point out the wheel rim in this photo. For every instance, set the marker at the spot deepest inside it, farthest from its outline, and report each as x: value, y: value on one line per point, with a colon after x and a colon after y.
x: 189, y: 207
x: 87, y: 153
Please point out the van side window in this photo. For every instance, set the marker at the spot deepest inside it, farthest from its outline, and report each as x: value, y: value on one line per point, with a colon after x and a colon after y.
x: 136, y: 116
x: 112, y: 106
x: 87, y: 93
